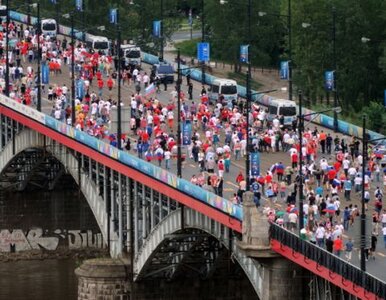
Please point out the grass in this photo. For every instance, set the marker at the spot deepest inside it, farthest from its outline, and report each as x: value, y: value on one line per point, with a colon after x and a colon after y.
x: 241, y: 79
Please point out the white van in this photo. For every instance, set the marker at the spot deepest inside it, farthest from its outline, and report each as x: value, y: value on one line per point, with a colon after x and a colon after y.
x: 49, y: 27
x: 3, y: 11
x: 282, y: 107
x: 132, y: 55
x: 223, y: 87
x: 98, y: 43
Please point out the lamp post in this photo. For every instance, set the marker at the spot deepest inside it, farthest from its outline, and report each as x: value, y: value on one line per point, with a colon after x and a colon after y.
x: 289, y: 24
x: 161, y: 54
x: 300, y: 132
x: 363, y: 210
x: 179, y: 162
x: 39, y: 78
x: 71, y: 16
x: 249, y: 99
x: 335, y: 72
x: 202, y: 40
x: 6, y: 51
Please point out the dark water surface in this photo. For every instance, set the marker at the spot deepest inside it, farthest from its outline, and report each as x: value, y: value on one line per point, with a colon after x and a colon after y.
x: 38, y: 280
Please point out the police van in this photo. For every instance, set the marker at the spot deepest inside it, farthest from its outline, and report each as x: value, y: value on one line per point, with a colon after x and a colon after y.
x: 226, y: 88
x: 282, y: 107
x: 49, y: 27
x: 132, y: 55
x: 98, y: 43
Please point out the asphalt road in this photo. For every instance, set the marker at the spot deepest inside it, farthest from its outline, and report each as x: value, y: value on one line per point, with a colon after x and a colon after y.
x: 375, y: 267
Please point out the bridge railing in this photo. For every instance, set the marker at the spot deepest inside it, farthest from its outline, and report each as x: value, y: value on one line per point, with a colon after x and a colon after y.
x: 329, y: 261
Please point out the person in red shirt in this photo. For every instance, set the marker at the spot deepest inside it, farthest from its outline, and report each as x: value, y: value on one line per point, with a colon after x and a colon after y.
x: 331, y: 175
x: 294, y: 160
x: 100, y: 87
x: 110, y: 83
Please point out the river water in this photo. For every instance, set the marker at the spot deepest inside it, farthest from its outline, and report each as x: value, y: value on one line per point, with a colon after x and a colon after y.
x: 50, y: 279
x: 62, y: 209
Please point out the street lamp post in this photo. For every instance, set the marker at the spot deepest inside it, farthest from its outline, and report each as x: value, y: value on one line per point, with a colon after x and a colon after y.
x: 7, y: 51
x: 289, y: 24
x: 119, y: 112
x: 179, y: 162
x: 202, y: 40
x: 249, y: 99
x: 39, y: 78
x: 363, y: 210
x: 335, y: 72
x: 161, y: 54
x: 290, y: 63
x: 300, y: 131
x: 72, y: 71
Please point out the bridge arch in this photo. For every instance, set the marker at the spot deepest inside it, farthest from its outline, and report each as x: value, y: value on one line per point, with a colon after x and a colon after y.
x: 29, y: 139
x: 199, y: 226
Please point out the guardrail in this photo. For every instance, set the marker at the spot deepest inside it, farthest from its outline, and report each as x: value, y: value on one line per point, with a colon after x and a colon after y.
x: 328, y: 260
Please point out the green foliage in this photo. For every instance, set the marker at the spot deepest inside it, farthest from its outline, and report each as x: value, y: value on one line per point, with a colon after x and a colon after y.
x: 241, y: 79
x: 376, y: 116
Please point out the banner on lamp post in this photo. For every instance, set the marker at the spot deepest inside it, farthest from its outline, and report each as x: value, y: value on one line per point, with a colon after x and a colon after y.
x: 244, y: 53
x: 157, y: 29
x: 113, y: 16
x: 203, y: 52
x: 329, y: 80
x: 79, y: 5
x: 53, y: 1
x: 384, y: 98
x: 80, y: 89
x: 45, y: 73
x: 190, y: 19
x: 255, y: 163
x: 284, y: 70
x: 186, y: 133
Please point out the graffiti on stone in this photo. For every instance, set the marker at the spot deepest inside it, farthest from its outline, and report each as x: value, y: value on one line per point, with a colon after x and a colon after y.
x: 17, y: 240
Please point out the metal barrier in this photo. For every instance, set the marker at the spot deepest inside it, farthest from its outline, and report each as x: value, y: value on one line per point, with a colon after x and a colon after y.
x: 329, y: 261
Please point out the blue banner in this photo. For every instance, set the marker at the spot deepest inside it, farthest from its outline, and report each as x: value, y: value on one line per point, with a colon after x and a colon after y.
x: 45, y: 73
x: 113, y: 16
x: 284, y: 70
x: 186, y: 132
x: 244, y: 53
x: 255, y: 163
x: 157, y: 29
x: 80, y: 89
x: 53, y: 1
x: 190, y: 19
x: 203, y: 52
x: 329, y: 80
x: 384, y: 98
x: 79, y: 5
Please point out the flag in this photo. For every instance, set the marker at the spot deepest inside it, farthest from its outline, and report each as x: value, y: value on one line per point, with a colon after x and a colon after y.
x: 113, y: 16
x: 244, y: 53
x: 284, y: 70
x: 186, y: 132
x: 79, y: 5
x: 157, y: 29
x: 150, y: 90
x: 329, y: 80
x: 45, y: 73
x: 190, y: 19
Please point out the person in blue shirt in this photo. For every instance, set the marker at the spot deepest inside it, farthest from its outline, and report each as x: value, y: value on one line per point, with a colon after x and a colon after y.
x: 347, y: 185
x: 346, y: 217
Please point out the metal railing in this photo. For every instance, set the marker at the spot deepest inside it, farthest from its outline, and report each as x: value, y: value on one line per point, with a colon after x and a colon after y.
x: 328, y: 260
